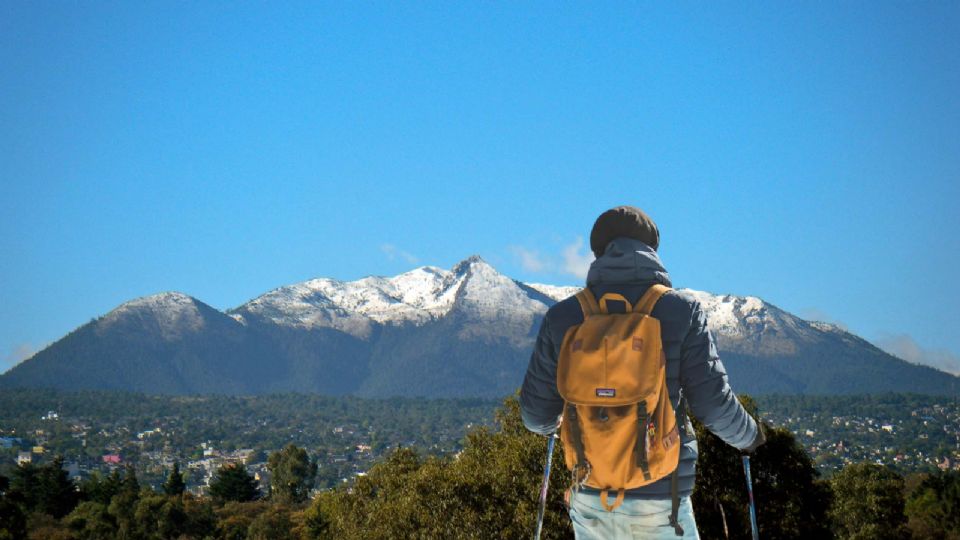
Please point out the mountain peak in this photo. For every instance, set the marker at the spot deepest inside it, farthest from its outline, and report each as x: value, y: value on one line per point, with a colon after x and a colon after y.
x: 160, y: 300
x: 429, y: 331
x: 470, y: 263
x: 171, y: 312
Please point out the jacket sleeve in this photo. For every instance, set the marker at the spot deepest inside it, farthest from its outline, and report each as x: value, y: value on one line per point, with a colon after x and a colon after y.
x: 540, y: 402
x: 704, y: 382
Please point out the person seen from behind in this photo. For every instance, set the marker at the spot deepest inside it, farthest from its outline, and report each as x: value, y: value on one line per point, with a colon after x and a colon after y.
x: 615, y: 368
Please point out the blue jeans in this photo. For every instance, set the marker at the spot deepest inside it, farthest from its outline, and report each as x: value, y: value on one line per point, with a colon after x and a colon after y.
x: 635, y: 519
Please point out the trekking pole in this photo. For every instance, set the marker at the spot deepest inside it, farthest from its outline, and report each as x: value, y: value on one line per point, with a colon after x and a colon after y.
x: 545, y: 485
x: 753, y: 507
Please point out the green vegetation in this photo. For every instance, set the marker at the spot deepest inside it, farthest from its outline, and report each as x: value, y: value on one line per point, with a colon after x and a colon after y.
x: 910, y: 432
x: 344, y: 435
x: 487, y: 489
x: 292, y: 474
x: 933, y: 508
x: 233, y: 483
x: 45, y: 489
x: 792, y: 500
x: 868, y: 503
x: 175, y: 484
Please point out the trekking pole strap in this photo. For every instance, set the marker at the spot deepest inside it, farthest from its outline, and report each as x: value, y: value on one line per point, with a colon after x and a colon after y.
x: 681, y: 419
x: 576, y: 435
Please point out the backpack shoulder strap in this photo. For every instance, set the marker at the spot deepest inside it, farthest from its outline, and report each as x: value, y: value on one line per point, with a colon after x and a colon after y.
x: 587, y: 302
x: 650, y: 298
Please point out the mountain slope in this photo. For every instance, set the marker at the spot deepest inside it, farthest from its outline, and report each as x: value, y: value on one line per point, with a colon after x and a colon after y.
x: 768, y: 350
x: 168, y: 342
x: 467, y: 331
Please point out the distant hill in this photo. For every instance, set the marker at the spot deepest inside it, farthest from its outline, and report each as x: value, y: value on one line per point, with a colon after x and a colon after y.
x: 463, y: 332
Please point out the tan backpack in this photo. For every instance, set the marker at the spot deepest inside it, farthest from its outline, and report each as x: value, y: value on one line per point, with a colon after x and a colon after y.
x: 619, y: 429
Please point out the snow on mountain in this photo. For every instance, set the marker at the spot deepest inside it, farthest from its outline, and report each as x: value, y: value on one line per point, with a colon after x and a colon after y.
x: 492, y: 305
x: 743, y: 323
x: 487, y: 294
x: 477, y: 292
x: 466, y: 331
x: 747, y: 324
x: 733, y: 318
x: 472, y: 287
x: 353, y: 306
x: 554, y: 292
x: 172, y: 312
x: 736, y: 316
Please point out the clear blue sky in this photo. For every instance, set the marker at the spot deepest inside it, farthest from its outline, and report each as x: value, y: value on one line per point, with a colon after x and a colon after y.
x: 805, y: 153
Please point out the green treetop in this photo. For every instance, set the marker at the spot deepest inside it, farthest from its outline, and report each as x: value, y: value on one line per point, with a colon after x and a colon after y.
x: 233, y: 483
x: 292, y: 474
x: 174, y: 484
x: 868, y: 503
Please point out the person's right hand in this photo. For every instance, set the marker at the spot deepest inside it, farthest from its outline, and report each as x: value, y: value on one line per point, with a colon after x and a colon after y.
x: 761, y: 438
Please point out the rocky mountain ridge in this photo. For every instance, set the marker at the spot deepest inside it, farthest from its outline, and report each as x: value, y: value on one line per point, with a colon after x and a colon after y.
x: 467, y: 331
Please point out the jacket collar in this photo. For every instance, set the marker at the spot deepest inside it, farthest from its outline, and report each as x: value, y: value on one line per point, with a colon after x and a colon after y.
x: 627, y: 261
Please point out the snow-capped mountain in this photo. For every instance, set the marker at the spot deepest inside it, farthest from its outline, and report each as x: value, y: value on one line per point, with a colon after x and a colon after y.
x: 473, y: 288
x: 353, y: 306
x: 172, y: 314
x: 467, y: 331
x: 746, y: 324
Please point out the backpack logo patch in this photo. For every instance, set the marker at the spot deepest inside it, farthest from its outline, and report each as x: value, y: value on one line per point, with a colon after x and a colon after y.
x: 606, y: 392
x: 637, y: 344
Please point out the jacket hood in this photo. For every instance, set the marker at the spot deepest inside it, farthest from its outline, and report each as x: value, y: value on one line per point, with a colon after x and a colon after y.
x: 627, y: 260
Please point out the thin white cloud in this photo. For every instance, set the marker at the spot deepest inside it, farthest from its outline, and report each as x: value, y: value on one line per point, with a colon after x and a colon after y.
x: 907, y: 348
x: 17, y: 354
x: 576, y: 263
x: 530, y: 260
x: 571, y: 261
x: 393, y: 253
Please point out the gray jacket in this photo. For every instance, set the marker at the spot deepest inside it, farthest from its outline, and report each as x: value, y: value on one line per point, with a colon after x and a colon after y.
x: 629, y: 267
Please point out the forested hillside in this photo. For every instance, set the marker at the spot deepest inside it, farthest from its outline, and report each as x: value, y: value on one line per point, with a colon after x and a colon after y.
x: 488, y: 490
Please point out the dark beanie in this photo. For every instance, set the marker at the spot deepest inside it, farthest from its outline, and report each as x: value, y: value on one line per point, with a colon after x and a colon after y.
x: 627, y: 221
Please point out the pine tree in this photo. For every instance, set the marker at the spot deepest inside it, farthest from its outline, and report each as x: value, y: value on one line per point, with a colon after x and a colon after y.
x: 25, y: 486
x: 57, y: 492
x: 130, y: 484
x: 12, y: 521
x: 99, y: 488
x: 174, y: 484
x: 43, y: 488
x: 113, y: 484
x: 123, y: 505
x: 233, y: 483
